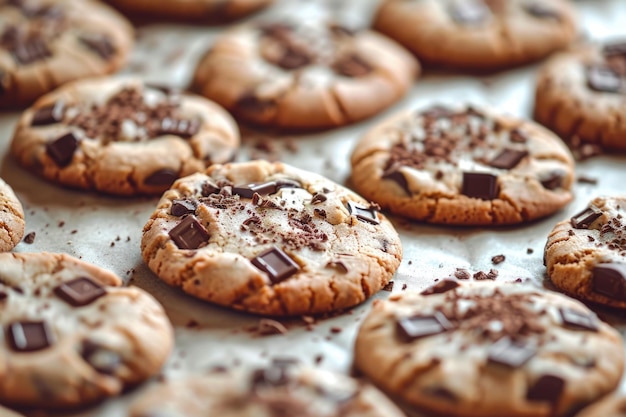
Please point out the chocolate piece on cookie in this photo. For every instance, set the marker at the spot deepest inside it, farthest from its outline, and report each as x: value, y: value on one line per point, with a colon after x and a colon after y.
x: 11, y: 218
x: 122, y: 136
x: 463, y: 166
x: 270, y: 239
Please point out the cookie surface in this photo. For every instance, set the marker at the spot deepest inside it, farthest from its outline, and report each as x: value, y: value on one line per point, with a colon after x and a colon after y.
x: 612, y: 406
x: 478, y: 34
x: 121, y: 136
x: 304, y: 74
x: 581, y: 95
x: 586, y: 255
x: 271, y: 239
x: 488, y: 349
x: 194, y: 10
x: 72, y: 335
x: 279, y: 389
x: 46, y: 43
x: 11, y: 218
x: 463, y: 166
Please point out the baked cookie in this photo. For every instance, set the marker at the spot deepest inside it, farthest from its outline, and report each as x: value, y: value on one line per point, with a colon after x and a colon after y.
x: 586, y: 255
x: 70, y: 334
x: 478, y: 34
x: 46, y: 43
x: 121, y: 136
x: 11, y: 218
x: 463, y: 166
x: 216, y: 11
x: 612, y: 406
x: 304, y: 74
x: 283, y: 388
x: 581, y: 95
x: 489, y: 350
x: 270, y: 239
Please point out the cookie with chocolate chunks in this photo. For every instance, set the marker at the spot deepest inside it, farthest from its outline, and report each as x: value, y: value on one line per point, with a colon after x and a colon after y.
x: 11, y: 218
x: 479, y: 35
x: 281, y: 388
x: 271, y: 239
x: 488, y: 349
x: 122, y: 136
x: 72, y: 334
x: 47, y: 43
x: 463, y: 166
x: 585, y: 255
x: 581, y: 95
x: 304, y: 74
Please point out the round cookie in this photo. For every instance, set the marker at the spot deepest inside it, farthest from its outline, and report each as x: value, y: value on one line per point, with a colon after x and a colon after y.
x: 121, y: 136
x: 70, y: 334
x: 304, y: 74
x: 586, y: 255
x: 283, y: 388
x: 478, y: 34
x: 11, y: 218
x: 193, y: 10
x: 581, y: 95
x: 463, y: 166
x: 46, y: 43
x: 270, y: 239
x: 612, y: 406
x: 489, y: 350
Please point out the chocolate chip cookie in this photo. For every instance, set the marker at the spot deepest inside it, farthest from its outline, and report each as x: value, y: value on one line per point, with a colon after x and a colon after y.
x: 46, y: 43
x: 463, y: 166
x: 11, y: 218
x: 478, y: 34
x: 283, y: 388
x: 489, y: 350
x: 586, y: 255
x: 72, y: 335
x: 122, y: 136
x: 215, y: 11
x: 581, y: 95
x: 304, y: 74
x: 270, y: 239
x: 612, y: 406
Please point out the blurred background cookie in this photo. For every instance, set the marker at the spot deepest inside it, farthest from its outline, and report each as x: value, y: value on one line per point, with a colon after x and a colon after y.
x: 11, y: 218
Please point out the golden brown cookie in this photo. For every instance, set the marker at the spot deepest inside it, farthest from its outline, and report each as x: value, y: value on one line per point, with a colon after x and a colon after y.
x: 11, y: 218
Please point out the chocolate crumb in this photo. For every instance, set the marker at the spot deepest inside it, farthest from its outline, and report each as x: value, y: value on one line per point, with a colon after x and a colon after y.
x: 30, y: 238
x: 61, y: 223
x: 268, y: 327
x: 319, y: 359
x: 498, y: 259
x: 388, y: 286
x: 529, y: 251
x: 461, y: 273
x: 404, y: 287
x: 587, y: 180
x: 336, y: 330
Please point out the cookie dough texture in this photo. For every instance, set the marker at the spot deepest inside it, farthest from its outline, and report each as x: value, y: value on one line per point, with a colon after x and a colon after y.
x: 478, y: 34
x: 60, y: 352
x: 490, y: 350
x: 612, y: 406
x: 581, y: 95
x: 121, y: 136
x: 581, y: 249
x: 277, y: 389
x: 210, y: 235
x: 304, y: 74
x: 463, y: 166
x: 11, y: 218
x: 46, y: 43
x: 193, y: 10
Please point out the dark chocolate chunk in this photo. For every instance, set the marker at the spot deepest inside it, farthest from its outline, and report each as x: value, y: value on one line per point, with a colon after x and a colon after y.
x: 604, y: 79
x: 411, y: 328
x: 47, y: 115
x: 548, y: 388
x: 542, y: 11
x: 62, y: 149
x: 614, y: 49
x: 189, y: 234
x: 293, y: 58
x: 318, y: 198
x: 162, y: 177
x: 584, y: 219
x: 248, y: 191
x: 352, y: 66
x: 364, y: 214
x: 277, y: 264
x: 80, y: 291
x: 208, y: 189
x: 181, y: 207
x: 442, y: 286
x: 609, y: 279
x: 31, y: 50
x: 179, y: 127
x: 579, y: 320
x: 100, y: 44
x: 30, y: 238
x: 480, y: 185
x: 250, y: 103
x: 509, y: 353
x: 394, y: 174
x: 29, y: 336
x: 103, y: 360
x: 471, y: 12
x: 553, y: 179
x: 508, y: 158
